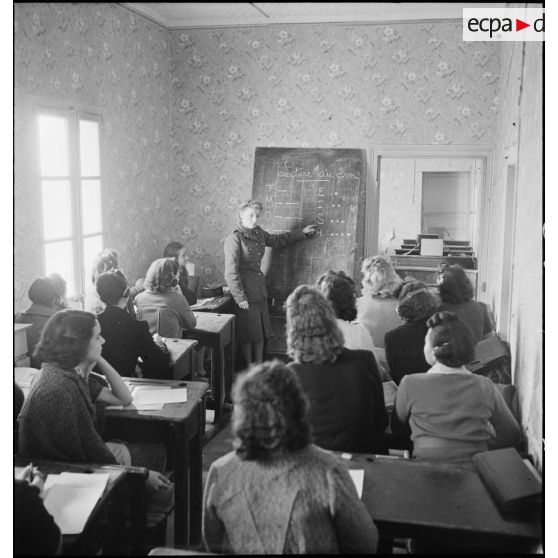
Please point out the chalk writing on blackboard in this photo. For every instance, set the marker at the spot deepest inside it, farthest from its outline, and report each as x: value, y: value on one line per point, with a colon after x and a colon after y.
x: 298, y: 187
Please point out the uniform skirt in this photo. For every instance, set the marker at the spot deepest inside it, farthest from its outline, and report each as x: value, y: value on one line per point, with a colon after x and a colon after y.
x: 253, y: 324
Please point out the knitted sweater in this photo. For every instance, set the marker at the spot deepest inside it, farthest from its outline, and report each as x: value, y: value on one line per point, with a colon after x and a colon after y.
x: 57, y: 420
x: 450, y: 413
x: 302, y: 503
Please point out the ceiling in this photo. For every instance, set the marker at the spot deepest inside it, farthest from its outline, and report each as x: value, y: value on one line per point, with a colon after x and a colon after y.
x: 180, y: 15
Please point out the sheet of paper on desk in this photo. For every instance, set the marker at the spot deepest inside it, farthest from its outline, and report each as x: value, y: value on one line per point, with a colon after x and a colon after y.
x: 163, y: 396
x: 71, y: 497
x: 358, y: 478
x: 390, y: 391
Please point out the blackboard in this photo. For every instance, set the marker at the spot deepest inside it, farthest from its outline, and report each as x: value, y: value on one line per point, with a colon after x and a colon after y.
x: 301, y: 186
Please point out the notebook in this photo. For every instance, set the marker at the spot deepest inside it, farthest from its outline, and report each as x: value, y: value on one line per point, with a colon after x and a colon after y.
x: 513, y: 485
x: 71, y: 497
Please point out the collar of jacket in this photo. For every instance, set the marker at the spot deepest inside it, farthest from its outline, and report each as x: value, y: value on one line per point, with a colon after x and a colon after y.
x: 252, y: 234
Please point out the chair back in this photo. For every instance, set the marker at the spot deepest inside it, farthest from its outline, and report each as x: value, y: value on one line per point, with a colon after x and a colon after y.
x: 163, y: 321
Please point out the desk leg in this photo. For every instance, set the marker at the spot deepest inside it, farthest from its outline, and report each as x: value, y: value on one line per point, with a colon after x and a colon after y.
x: 229, y: 370
x: 181, y: 493
x: 196, y: 478
x: 218, y: 382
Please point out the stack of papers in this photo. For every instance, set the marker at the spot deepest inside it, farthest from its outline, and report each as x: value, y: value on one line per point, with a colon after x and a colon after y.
x: 71, y: 497
x: 151, y: 397
x: 358, y: 478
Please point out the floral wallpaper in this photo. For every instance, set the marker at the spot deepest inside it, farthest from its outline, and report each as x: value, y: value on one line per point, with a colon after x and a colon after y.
x: 99, y: 55
x: 185, y: 110
x: 313, y: 86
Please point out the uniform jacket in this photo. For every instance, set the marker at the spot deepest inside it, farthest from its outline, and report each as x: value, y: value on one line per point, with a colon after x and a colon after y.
x: 244, y: 250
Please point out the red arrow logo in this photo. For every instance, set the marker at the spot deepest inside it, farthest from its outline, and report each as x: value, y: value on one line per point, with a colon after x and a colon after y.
x: 519, y: 25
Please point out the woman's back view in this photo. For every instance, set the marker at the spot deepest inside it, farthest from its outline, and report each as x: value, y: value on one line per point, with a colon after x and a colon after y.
x: 277, y: 493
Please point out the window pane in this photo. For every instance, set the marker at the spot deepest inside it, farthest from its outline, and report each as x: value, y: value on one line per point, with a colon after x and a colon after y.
x: 57, y: 210
x: 91, y: 206
x: 53, y: 145
x: 92, y: 245
x: 59, y: 258
x: 89, y: 148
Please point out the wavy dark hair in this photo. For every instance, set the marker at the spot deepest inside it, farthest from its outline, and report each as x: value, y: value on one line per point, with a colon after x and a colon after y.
x: 172, y: 249
x: 451, y: 339
x: 340, y: 290
x: 270, y: 412
x: 312, y: 331
x: 454, y: 286
x: 416, y: 302
x: 105, y: 261
x: 161, y: 275
x: 112, y: 286
x: 43, y: 291
x: 65, y: 338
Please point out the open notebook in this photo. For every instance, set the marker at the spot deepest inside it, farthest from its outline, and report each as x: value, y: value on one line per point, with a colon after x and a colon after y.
x: 71, y: 497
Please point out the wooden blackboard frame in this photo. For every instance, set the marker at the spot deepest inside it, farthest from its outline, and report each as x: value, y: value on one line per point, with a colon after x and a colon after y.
x: 300, y: 186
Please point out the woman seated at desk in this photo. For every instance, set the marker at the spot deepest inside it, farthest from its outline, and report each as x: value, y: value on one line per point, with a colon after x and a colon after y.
x: 164, y: 308
x: 404, y: 344
x: 277, y: 493
x: 456, y: 294
x: 347, y: 409
x: 127, y: 339
x: 57, y: 420
x: 451, y: 412
x: 341, y: 293
x: 43, y: 295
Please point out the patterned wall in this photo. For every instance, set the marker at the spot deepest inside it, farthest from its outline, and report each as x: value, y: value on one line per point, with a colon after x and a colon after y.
x: 222, y: 93
x: 313, y: 86
x: 106, y: 56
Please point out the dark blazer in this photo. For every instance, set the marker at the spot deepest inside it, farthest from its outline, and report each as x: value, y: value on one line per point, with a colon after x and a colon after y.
x: 347, y: 409
x: 404, y: 348
x: 244, y: 250
x: 127, y: 339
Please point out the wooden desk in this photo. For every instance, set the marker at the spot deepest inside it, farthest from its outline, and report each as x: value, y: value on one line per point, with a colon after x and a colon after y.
x: 217, y: 331
x: 181, y: 427
x: 21, y: 357
x: 219, y: 304
x: 182, y: 355
x: 408, y: 498
x: 105, y: 527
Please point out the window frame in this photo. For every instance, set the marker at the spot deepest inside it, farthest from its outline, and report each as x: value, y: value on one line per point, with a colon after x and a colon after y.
x: 74, y: 114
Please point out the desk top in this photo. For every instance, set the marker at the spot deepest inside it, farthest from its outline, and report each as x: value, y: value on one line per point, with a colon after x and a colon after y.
x: 211, y: 322
x: 20, y: 327
x: 171, y: 412
x: 436, y: 497
x: 178, y: 347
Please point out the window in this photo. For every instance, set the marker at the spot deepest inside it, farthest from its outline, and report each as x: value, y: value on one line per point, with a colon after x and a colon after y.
x: 70, y: 185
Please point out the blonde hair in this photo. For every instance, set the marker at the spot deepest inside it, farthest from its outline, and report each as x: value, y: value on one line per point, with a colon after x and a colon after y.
x: 379, y: 277
x: 312, y: 331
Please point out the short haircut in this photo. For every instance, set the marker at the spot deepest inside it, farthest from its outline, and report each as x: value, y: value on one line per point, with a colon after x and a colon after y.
x: 451, y: 339
x: 340, y: 291
x: 111, y: 286
x: 416, y: 302
x: 172, y: 249
x: 105, y: 261
x: 312, y: 331
x: 379, y: 277
x: 250, y: 203
x: 270, y: 412
x: 160, y: 276
x: 65, y: 338
x: 455, y: 286
x: 43, y: 292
